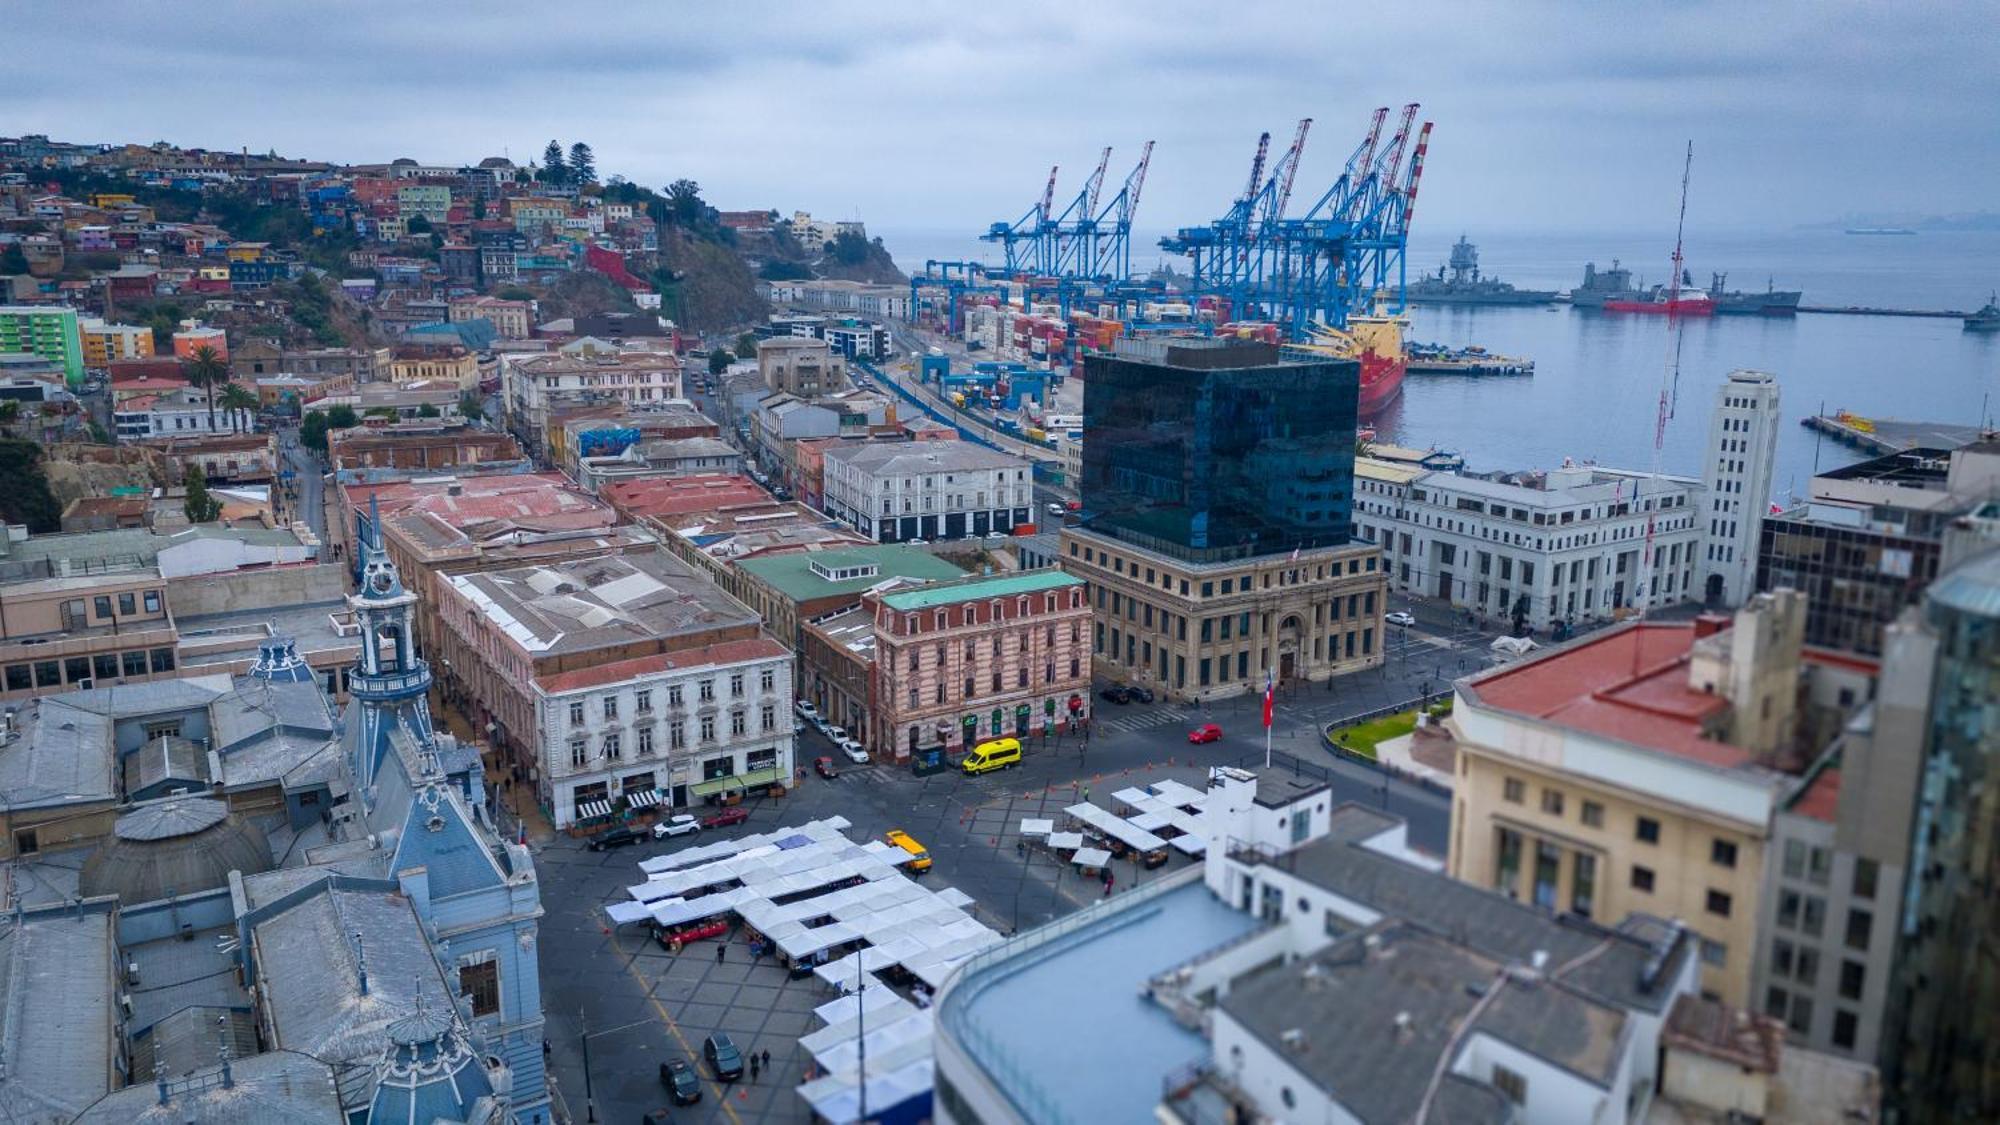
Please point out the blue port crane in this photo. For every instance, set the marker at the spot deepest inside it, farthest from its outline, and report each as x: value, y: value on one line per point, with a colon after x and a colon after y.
x: 1321, y: 267
x: 1109, y: 257
x: 1025, y: 240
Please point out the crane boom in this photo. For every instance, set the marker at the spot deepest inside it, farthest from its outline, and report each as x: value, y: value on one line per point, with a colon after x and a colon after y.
x: 1393, y: 155
x: 1095, y: 183
x: 1136, y: 182
x: 1287, y: 171
x: 1357, y: 164
x: 1256, y: 169
x: 1416, y: 175
x: 1049, y: 192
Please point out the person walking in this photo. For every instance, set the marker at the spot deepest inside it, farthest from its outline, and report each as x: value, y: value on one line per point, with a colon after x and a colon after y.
x: 721, y: 948
x: 767, y: 1058
x: 753, y: 1066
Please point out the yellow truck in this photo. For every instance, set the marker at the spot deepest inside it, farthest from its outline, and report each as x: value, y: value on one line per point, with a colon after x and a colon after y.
x: 920, y: 860
x: 998, y: 754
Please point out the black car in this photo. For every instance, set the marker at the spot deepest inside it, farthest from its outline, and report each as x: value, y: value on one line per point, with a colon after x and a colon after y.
x: 723, y: 1057
x: 615, y: 838
x: 1116, y: 693
x: 681, y: 1081
x: 1139, y: 694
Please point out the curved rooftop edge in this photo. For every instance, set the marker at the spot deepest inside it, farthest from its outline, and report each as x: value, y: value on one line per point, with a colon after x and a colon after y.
x: 1081, y: 1040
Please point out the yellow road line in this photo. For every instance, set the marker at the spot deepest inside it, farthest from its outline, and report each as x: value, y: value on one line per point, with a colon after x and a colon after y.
x: 721, y: 1092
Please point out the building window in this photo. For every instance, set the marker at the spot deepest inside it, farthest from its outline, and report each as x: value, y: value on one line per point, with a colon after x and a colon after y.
x: 1513, y: 1085
x: 1866, y: 871
x: 1583, y: 884
x: 482, y: 984
x: 1647, y: 830
x: 1776, y: 1002
x: 674, y: 695
x: 645, y: 739
x: 739, y: 722
x: 1814, y: 922
x: 610, y: 708
x: 708, y: 728
x: 706, y: 691
x: 579, y: 752
x: 1844, y: 1027
x: 576, y: 713
x: 1507, y: 873
x: 613, y: 746
x: 1795, y: 859
x: 1859, y: 923
x: 152, y: 601
x: 1593, y: 814
x: 127, y: 605
x: 768, y: 717
x: 1642, y: 879
x: 767, y: 679
x: 1853, y: 975
x: 1514, y: 790
x: 1714, y: 953
x: 1801, y: 1019
x: 1552, y: 802
x: 642, y: 702
x: 676, y: 735
x: 1722, y: 853
x: 736, y: 685
x: 101, y: 605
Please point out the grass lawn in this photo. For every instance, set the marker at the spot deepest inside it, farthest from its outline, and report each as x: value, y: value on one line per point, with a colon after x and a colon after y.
x: 1363, y: 737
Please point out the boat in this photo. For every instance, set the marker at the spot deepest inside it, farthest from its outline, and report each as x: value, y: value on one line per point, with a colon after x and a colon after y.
x: 1601, y: 286
x: 1464, y: 285
x: 1666, y: 301
x: 1771, y: 302
x: 1986, y: 319
x: 1376, y: 340
x: 1878, y: 230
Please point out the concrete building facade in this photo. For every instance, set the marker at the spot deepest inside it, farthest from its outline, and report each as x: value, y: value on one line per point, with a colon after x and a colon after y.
x: 894, y: 491
x: 1742, y: 449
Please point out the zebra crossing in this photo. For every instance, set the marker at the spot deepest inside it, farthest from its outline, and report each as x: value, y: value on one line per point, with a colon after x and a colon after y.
x: 1148, y: 719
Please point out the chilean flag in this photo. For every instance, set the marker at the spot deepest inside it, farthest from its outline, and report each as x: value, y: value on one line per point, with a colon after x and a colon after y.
x: 1267, y: 697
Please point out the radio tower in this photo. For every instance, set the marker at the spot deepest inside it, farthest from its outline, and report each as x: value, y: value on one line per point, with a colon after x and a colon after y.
x: 1670, y: 380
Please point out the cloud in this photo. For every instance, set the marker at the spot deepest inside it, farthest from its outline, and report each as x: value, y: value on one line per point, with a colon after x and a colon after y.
x: 943, y: 115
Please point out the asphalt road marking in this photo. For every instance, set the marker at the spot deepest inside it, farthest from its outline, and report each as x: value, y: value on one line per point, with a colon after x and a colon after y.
x: 715, y: 1086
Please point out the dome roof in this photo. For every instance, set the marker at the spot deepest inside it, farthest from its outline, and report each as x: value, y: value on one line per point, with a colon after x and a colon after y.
x: 429, y: 1073
x: 1970, y: 587
x: 177, y: 846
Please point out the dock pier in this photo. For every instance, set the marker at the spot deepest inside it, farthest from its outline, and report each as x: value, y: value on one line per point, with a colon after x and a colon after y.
x: 1879, y: 436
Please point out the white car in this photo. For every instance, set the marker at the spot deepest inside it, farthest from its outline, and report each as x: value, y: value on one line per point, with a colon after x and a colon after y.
x: 1400, y: 617
x: 835, y: 735
x: 1057, y: 509
x: 682, y: 825
x: 806, y: 710
x: 856, y: 753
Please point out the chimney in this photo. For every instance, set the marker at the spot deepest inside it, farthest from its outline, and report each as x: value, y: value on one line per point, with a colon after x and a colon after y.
x: 1709, y: 624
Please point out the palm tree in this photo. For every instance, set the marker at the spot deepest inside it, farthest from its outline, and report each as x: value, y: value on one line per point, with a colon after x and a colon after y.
x: 204, y: 369
x: 236, y: 398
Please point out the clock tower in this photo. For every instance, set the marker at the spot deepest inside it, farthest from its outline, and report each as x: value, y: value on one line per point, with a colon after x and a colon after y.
x: 390, y: 681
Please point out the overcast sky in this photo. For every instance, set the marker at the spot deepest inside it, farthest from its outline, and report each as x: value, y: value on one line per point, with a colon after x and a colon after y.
x: 920, y: 115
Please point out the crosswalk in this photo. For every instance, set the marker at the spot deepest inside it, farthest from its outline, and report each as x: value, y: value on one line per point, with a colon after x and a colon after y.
x: 1148, y: 719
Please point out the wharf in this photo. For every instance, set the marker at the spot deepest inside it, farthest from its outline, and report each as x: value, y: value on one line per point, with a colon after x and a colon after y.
x: 1890, y: 435
x: 1492, y: 365
x: 1858, y: 310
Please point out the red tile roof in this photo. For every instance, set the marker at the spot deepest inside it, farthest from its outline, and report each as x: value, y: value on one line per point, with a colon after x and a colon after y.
x: 1629, y: 684
x: 673, y: 496
x: 728, y: 652
x: 543, y: 500
x: 1821, y: 799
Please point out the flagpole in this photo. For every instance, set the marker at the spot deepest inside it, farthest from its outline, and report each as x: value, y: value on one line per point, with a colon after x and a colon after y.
x: 1269, y: 703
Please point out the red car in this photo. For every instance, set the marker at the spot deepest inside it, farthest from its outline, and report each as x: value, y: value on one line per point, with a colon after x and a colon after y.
x: 823, y: 766
x: 726, y: 818
x: 1206, y: 732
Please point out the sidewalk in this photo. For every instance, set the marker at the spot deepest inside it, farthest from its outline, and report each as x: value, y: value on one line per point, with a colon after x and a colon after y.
x: 518, y: 800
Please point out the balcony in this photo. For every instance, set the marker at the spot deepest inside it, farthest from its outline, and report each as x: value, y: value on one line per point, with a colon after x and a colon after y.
x: 390, y: 685
x: 1252, y: 854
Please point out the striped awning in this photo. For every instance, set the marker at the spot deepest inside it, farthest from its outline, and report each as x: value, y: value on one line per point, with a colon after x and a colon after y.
x: 643, y: 798
x: 593, y: 810
x: 736, y: 781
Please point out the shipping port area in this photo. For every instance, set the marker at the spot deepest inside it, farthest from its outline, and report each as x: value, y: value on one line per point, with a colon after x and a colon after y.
x: 1436, y: 359
x: 1892, y: 435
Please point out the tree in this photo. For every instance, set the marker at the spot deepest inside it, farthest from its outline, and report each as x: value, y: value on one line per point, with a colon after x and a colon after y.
x: 746, y: 346
x: 10, y: 411
x: 205, y: 369
x: 312, y: 431
x: 24, y: 487
x: 426, y: 410
x: 684, y: 204
x: 417, y: 225
x: 12, y: 261
x: 718, y: 361
x: 199, y: 505
x: 470, y: 406
x: 554, y: 171
x: 582, y: 164
x: 237, y: 400
x: 478, y: 209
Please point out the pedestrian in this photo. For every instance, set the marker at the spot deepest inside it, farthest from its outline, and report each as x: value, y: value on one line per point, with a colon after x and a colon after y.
x: 721, y: 948
x: 753, y: 1066
x: 767, y: 1058
x: 1086, y: 794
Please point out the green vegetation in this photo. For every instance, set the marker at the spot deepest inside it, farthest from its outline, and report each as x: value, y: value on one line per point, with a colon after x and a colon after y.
x: 311, y: 305
x: 12, y: 261
x: 718, y: 361
x: 1362, y: 738
x: 471, y: 407
x: 582, y: 164
x: 24, y: 487
x: 204, y: 370
x: 237, y: 399
x: 779, y: 270
x: 199, y: 505
x: 426, y: 410
x: 314, y: 426
x: 746, y: 346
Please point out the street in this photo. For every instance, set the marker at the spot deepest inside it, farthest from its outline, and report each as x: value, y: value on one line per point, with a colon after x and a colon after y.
x: 310, y: 505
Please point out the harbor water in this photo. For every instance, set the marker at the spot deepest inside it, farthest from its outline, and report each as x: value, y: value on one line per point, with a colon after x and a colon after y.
x: 1598, y: 377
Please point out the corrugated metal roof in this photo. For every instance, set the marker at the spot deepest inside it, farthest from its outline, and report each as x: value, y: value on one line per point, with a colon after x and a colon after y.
x: 948, y: 593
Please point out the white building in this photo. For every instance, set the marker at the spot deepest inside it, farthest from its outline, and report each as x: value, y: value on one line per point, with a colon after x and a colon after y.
x: 177, y: 413
x: 898, y: 491
x: 665, y: 725
x: 1742, y: 449
x: 1570, y: 541
x: 534, y: 385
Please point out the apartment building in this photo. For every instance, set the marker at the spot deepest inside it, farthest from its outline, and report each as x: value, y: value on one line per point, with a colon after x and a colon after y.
x: 801, y: 366
x: 1543, y: 549
x: 534, y: 642
x: 54, y: 333
x: 512, y: 319
x: 536, y: 387
x: 180, y: 412
x: 961, y: 661
x: 895, y: 491
x: 789, y: 588
x: 1639, y: 771
x: 269, y: 357
x: 105, y: 343
x: 434, y: 363
x: 1736, y: 476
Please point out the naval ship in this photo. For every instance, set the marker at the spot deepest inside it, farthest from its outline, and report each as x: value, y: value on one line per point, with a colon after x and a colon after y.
x: 1771, y: 302
x: 1464, y: 286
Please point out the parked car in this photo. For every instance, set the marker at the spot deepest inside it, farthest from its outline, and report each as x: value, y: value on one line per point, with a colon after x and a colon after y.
x: 1116, y: 693
x: 823, y: 766
x: 915, y: 543
x: 723, y: 1057
x: 681, y: 1081
x: 856, y: 753
x: 835, y: 734
x: 734, y: 815
x: 1206, y: 732
x: 806, y: 710
x: 1056, y: 509
x: 1401, y: 617
x: 615, y: 838
x: 682, y: 825
x: 1140, y: 694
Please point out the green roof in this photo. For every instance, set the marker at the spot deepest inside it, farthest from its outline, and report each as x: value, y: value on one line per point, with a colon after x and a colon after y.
x: 975, y: 589
x: 792, y: 574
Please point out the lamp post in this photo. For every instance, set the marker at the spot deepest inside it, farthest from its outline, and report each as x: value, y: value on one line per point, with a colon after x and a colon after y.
x: 584, y: 1037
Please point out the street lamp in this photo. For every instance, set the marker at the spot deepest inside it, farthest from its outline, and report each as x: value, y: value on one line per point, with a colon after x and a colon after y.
x: 584, y: 1037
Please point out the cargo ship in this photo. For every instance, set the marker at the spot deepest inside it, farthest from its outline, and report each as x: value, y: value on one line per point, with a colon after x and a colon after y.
x: 1771, y: 302
x: 1464, y: 286
x: 1986, y: 319
x: 1375, y: 340
x: 1600, y: 286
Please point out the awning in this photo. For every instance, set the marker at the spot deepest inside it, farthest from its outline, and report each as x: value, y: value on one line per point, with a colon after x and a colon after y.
x: 736, y: 781
x: 643, y: 798
x: 1062, y: 840
x: 593, y: 810
x: 1037, y: 826
x: 1091, y: 857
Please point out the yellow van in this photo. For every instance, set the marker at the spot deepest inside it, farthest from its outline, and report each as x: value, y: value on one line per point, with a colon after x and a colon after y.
x: 995, y: 755
x: 921, y: 859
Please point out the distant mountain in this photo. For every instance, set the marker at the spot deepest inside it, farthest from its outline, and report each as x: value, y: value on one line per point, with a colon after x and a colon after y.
x: 1965, y: 220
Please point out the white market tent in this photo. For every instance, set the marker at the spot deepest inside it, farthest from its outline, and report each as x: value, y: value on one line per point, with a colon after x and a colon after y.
x: 837, y: 1097
x: 1116, y: 827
